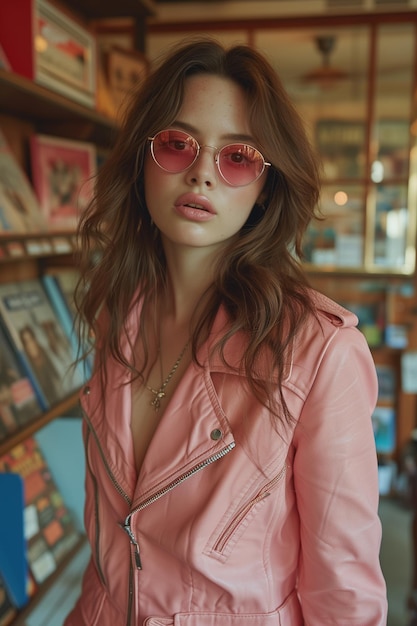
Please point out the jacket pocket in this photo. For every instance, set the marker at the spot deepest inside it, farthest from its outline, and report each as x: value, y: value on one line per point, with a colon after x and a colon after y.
x: 235, y: 527
x: 288, y: 614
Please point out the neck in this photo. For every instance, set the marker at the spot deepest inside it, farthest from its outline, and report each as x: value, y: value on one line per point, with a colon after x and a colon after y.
x: 190, y: 274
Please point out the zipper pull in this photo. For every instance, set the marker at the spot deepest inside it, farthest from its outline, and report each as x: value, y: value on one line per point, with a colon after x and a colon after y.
x: 126, y: 527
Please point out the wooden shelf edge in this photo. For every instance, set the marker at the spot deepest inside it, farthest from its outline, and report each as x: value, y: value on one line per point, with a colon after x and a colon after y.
x: 21, y: 97
x: 59, y: 410
x: 104, y: 9
x: 16, y: 247
x: 359, y: 272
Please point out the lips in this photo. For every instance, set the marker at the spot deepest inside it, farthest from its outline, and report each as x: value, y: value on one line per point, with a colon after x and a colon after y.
x: 195, y: 206
x: 195, y: 202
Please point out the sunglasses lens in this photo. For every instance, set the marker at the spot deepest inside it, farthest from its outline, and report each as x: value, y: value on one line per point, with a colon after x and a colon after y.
x: 240, y: 164
x: 174, y: 150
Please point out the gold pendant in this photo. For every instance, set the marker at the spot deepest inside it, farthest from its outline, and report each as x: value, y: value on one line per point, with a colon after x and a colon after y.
x: 156, y: 402
x: 160, y: 393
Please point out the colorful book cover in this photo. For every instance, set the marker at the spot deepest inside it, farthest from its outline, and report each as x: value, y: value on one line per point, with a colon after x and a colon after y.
x: 13, y: 560
x: 371, y: 316
x: 39, y: 340
x: 386, y: 383
x: 15, y: 319
x: 54, y: 337
x: 383, y: 422
x: 60, y: 286
x: 49, y: 530
x: 62, y: 171
x: 19, y: 207
x: 18, y: 402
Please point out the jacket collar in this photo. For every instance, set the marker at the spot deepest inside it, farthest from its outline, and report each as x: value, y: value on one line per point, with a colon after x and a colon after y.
x: 327, y: 311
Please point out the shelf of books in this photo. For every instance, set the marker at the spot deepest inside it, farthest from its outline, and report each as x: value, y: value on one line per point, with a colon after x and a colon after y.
x: 39, y: 536
x: 38, y: 384
x: 55, y: 131
x: 44, y: 174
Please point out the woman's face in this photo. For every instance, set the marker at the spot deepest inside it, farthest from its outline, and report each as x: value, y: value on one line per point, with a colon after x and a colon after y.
x: 197, y: 207
x: 30, y: 344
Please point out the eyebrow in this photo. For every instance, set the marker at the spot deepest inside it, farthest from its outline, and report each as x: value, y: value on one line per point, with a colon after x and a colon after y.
x: 189, y: 128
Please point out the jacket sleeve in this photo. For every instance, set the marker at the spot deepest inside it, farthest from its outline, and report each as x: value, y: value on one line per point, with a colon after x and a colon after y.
x: 336, y: 483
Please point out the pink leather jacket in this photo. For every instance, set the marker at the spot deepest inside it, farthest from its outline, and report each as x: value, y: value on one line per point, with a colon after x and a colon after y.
x: 230, y: 522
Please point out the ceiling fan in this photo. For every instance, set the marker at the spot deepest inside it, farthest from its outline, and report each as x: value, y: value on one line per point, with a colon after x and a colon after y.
x: 326, y: 75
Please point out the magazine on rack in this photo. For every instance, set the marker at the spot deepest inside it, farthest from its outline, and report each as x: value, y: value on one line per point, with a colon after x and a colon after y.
x: 63, y: 171
x: 19, y: 207
x: 18, y: 402
x: 36, y: 333
x: 60, y: 286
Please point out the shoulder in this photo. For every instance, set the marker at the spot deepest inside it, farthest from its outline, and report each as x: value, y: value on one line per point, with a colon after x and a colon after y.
x: 328, y: 323
x: 327, y: 319
x: 329, y: 342
x: 332, y: 312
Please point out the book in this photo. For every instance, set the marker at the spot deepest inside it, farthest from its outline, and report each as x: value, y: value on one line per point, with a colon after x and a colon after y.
x: 386, y: 383
x: 65, y: 60
x: 400, y: 314
x: 60, y: 286
x: 49, y: 530
x: 54, y: 338
x: 39, y: 341
x: 13, y: 562
x: 383, y: 422
x: 62, y: 171
x: 409, y: 371
x: 18, y: 402
x: 371, y: 319
x: 19, y: 208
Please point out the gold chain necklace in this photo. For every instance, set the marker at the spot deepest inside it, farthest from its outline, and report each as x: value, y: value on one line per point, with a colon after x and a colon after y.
x: 160, y: 393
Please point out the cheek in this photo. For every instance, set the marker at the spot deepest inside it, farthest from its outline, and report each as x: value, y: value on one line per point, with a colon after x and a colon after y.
x: 246, y: 199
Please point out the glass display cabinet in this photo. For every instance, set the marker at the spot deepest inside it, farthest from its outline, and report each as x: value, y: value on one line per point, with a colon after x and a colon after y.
x: 354, y: 86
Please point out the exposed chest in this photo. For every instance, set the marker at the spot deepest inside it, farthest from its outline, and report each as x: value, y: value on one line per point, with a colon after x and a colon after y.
x: 148, y: 405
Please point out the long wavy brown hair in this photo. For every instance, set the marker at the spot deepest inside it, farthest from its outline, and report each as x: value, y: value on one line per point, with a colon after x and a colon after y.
x: 259, y: 281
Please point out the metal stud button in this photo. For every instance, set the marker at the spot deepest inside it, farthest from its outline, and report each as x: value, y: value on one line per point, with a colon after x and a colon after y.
x: 216, y: 434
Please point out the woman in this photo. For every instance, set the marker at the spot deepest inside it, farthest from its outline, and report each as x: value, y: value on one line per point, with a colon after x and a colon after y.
x: 231, y: 466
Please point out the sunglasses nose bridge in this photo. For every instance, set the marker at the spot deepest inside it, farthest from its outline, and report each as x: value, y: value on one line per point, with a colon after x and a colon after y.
x: 199, y: 152
x: 216, y: 151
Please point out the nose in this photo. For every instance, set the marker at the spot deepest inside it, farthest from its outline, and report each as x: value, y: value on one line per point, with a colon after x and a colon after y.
x: 204, y: 169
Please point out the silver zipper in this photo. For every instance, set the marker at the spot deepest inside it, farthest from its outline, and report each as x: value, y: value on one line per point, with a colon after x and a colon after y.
x: 106, y: 465
x: 127, y: 527
x: 183, y: 477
